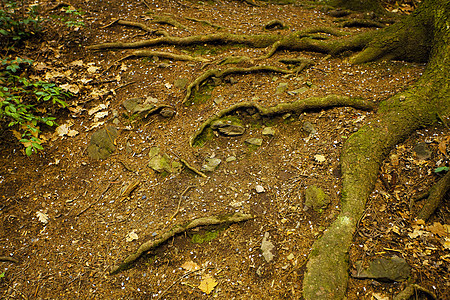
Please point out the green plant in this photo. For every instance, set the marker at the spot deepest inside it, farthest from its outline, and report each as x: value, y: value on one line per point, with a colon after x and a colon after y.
x: 72, y: 17
x: 17, y: 24
x: 25, y: 103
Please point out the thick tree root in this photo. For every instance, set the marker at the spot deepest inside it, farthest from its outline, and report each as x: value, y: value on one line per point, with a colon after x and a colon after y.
x: 296, y: 107
x: 150, y: 245
x: 205, y: 22
x: 435, y: 195
x: 222, y: 73
x: 137, y: 25
x: 412, y: 290
x: 168, y: 21
x: 327, y: 269
x: 164, y: 55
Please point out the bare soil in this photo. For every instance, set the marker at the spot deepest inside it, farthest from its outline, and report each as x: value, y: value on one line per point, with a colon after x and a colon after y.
x: 88, y: 221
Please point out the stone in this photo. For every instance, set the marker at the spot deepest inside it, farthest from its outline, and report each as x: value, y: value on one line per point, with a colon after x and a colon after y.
x: 167, y: 112
x: 230, y: 158
x: 161, y: 163
x: 180, y: 83
x: 102, y: 143
x: 254, y: 141
x: 259, y: 189
x: 309, y: 128
x: 298, y: 91
x: 211, y: 164
x: 231, y: 130
x: 422, y: 151
x: 281, y: 88
x: 384, y: 269
x: 267, y: 247
x: 268, y: 131
x: 137, y: 105
x: 315, y: 198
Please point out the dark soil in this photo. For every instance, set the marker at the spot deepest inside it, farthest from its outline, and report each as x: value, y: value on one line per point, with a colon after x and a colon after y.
x: 88, y: 221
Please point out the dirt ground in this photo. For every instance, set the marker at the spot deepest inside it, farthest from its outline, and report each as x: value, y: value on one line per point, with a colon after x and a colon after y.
x: 91, y: 227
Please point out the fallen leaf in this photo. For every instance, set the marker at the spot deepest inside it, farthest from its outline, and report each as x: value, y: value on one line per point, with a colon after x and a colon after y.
x: 207, y: 284
x: 267, y: 247
x: 72, y: 133
x: 62, y: 130
x: 42, y: 217
x: 98, y: 108
x: 416, y: 233
x: 446, y: 243
x: 100, y: 115
x: 190, y: 266
x: 76, y: 63
x: 379, y: 296
x: 438, y: 229
x: 73, y: 88
x: 131, y: 236
x: 319, y: 158
x: 92, y: 69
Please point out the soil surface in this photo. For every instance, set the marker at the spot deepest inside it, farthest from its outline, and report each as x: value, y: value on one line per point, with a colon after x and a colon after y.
x: 63, y: 215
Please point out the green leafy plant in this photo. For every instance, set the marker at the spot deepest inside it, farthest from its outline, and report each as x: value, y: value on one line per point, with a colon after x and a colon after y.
x: 18, y: 23
x: 25, y: 103
x: 441, y: 169
x: 71, y: 18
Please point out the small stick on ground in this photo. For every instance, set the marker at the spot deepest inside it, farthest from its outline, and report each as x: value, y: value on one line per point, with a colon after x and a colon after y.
x: 179, y: 201
x: 96, y: 201
x: 177, y: 229
x: 187, y: 165
x: 179, y: 279
x: 8, y: 259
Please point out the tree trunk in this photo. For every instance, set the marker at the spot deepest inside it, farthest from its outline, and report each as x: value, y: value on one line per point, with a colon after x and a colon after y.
x: 327, y: 269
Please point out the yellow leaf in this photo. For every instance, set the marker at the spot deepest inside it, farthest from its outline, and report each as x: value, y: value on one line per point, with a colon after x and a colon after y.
x: 208, y: 284
x: 190, y: 266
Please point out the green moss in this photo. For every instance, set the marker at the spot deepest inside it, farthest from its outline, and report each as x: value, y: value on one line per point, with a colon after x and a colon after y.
x: 208, y: 236
x: 202, y: 95
x: 207, y: 135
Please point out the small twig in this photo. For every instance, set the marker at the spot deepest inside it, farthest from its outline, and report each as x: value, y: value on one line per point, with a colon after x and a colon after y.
x: 124, y: 85
x: 179, y: 201
x: 179, y: 279
x: 96, y: 201
x: 8, y: 259
x: 187, y: 165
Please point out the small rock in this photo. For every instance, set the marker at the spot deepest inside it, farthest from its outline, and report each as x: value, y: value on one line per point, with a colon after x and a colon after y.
x: 422, y: 151
x: 281, y: 88
x: 230, y: 158
x: 267, y: 247
x: 382, y: 269
x: 136, y: 105
x: 297, y: 91
x: 268, y: 131
x: 211, y: 164
x: 259, y: 189
x: 232, y: 130
x: 315, y: 198
x: 218, y: 99
x: 167, y: 112
x: 181, y: 83
x: 309, y: 128
x: 254, y: 141
x: 102, y: 142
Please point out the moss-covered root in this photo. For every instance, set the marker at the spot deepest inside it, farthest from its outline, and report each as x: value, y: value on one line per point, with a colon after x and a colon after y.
x: 282, y: 108
x: 177, y: 229
x: 436, y: 193
x: 222, y: 73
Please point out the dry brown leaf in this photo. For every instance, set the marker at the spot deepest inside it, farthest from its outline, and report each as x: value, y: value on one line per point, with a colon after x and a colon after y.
x: 190, y: 266
x: 438, y: 229
x: 208, y: 284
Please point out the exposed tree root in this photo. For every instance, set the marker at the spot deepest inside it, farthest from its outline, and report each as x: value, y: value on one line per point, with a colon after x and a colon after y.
x: 150, y: 245
x: 435, y: 195
x: 274, y: 24
x: 412, y: 290
x: 296, y: 107
x: 205, y: 22
x: 363, y: 23
x: 222, y: 73
x: 166, y: 55
x: 138, y: 25
x: 168, y: 21
x: 327, y: 269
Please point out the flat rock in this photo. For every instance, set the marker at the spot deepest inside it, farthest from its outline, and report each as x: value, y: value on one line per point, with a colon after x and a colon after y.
x: 384, y: 269
x: 211, y: 164
x: 254, y: 141
x: 309, y: 128
x: 315, y: 198
x: 138, y: 105
x: 281, y: 88
x: 268, y: 131
x: 102, y: 141
x: 231, y: 130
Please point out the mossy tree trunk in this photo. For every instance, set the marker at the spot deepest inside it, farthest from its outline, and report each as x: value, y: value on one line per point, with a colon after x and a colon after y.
x: 424, y: 35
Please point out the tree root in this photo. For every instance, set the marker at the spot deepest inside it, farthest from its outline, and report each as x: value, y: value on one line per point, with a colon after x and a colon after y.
x: 327, y: 268
x: 411, y: 290
x: 150, y: 245
x: 296, y: 106
x: 205, y: 22
x: 363, y: 23
x: 138, y: 25
x: 435, y: 195
x: 222, y: 73
x: 166, y: 55
x: 274, y: 24
x: 168, y: 21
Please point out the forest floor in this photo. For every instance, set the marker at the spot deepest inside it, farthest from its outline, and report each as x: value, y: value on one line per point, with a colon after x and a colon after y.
x: 65, y: 221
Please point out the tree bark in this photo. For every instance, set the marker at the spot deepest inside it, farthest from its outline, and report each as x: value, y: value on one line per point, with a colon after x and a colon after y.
x: 327, y: 269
